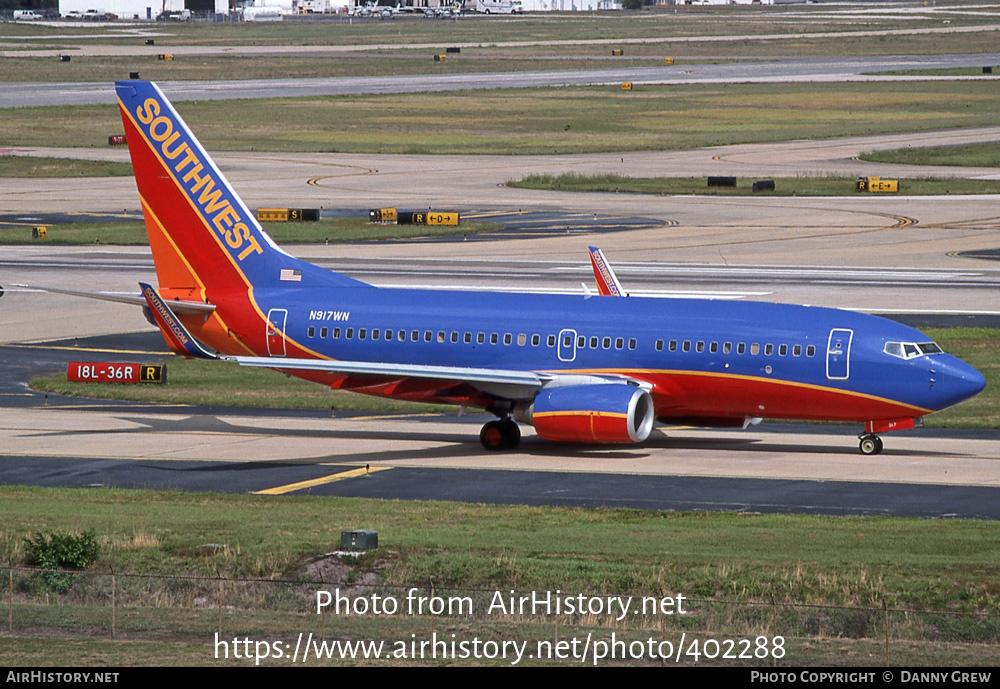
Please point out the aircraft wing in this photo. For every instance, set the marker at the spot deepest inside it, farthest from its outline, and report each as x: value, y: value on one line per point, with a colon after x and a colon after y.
x: 505, y: 383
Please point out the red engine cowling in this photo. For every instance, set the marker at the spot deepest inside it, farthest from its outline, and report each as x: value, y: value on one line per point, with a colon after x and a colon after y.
x: 593, y: 413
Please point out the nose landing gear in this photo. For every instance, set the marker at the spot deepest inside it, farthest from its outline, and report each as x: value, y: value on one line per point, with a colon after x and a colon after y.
x: 870, y: 444
x: 502, y: 434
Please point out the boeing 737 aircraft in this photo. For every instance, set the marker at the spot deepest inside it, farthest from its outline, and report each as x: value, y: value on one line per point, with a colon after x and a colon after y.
x: 580, y: 369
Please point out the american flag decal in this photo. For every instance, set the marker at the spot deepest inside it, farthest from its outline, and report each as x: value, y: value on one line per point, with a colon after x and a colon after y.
x: 290, y: 275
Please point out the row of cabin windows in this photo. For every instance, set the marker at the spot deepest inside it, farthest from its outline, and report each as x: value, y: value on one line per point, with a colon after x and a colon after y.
x: 481, y: 338
x: 741, y: 348
x: 428, y: 336
x: 582, y: 342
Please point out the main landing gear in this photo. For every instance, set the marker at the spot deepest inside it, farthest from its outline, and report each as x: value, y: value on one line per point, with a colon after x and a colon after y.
x: 502, y: 434
x: 870, y: 444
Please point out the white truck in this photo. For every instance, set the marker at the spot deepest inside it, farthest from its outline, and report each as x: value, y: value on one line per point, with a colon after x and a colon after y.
x: 26, y: 15
x: 499, y: 7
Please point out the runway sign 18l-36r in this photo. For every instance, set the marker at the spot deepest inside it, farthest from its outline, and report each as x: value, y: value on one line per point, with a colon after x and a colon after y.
x: 98, y: 372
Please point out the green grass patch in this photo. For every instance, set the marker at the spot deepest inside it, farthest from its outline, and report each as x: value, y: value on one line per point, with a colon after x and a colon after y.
x: 972, y: 155
x: 922, y: 564
x: 265, y: 66
x: 30, y: 166
x: 783, y: 186
x: 540, y: 121
x: 326, y: 230
x: 208, y: 382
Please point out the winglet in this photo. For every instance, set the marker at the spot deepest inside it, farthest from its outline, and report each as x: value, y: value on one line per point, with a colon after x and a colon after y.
x: 174, y: 333
x: 607, y: 281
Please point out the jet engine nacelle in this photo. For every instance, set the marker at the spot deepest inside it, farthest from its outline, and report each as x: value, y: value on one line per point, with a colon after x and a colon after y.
x: 592, y: 413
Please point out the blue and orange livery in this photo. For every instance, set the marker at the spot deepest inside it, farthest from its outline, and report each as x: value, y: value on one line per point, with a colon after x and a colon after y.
x: 579, y: 370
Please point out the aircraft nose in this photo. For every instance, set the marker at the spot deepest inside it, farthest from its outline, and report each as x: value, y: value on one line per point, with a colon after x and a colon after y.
x: 955, y: 381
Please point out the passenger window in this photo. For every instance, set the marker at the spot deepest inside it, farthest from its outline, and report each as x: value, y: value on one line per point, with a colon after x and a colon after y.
x: 631, y: 343
x: 428, y: 335
x: 619, y: 343
x: 606, y: 343
x: 336, y: 333
x: 659, y: 345
x: 350, y: 333
x: 507, y: 339
x: 713, y: 348
x: 727, y: 347
x: 362, y: 333
x: 581, y: 342
x: 782, y: 350
x: 414, y: 335
x: 811, y: 350
x: 440, y: 335
x: 494, y: 338
x: 699, y: 347
x: 741, y: 348
x: 521, y: 339
x: 481, y: 338
x: 797, y: 350
x: 374, y: 333
x: 401, y: 336
x: 593, y: 342
x: 673, y: 346
x: 454, y: 336
x: 468, y: 337
x: 686, y: 346
x: 768, y: 349
x: 311, y: 332
x: 754, y: 349
x: 323, y: 332
x: 535, y: 339
x: 551, y: 340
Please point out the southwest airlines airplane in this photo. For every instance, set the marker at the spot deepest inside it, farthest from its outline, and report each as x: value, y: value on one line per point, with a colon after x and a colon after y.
x: 580, y: 369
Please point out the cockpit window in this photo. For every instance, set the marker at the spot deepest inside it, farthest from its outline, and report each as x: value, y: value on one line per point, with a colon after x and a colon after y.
x: 911, y: 350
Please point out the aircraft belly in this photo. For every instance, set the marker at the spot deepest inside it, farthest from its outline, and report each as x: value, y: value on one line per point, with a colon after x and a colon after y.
x: 709, y: 394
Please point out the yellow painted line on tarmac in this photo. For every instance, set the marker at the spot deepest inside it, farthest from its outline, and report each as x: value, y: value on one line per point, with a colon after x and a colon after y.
x: 72, y: 348
x: 495, y: 214
x: 301, y: 485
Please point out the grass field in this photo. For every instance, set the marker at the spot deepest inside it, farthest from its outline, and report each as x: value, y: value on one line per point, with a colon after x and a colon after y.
x: 204, y: 382
x: 30, y: 166
x: 978, y: 155
x: 787, y: 186
x: 326, y: 230
x: 822, y: 560
x: 843, y: 577
x: 531, y: 121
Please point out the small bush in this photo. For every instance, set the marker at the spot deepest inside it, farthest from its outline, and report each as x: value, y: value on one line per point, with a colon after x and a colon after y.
x: 60, y: 552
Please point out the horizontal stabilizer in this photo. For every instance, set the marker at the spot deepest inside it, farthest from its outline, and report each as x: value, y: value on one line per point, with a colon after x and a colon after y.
x: 133, y: 299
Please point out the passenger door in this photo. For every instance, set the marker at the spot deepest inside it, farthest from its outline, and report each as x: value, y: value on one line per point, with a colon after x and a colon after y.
x: 838, y: 354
